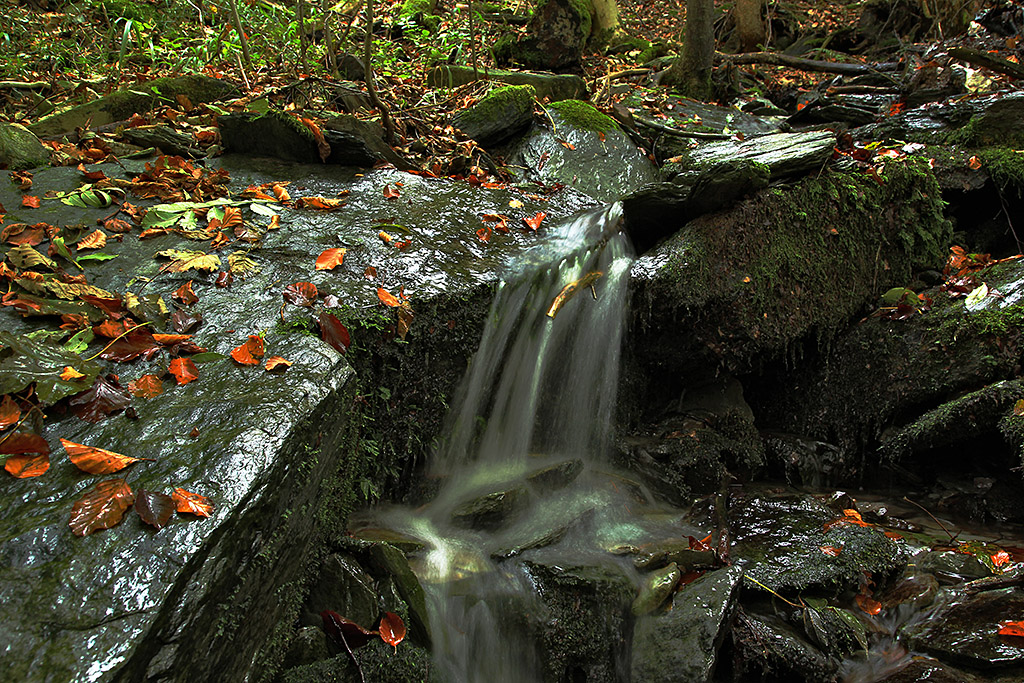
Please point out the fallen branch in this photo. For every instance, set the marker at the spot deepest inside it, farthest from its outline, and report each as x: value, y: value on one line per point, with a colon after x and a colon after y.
x: 33, y: 85
x: 777, y: 59
x: 986, y: 60
x: 650, y: 123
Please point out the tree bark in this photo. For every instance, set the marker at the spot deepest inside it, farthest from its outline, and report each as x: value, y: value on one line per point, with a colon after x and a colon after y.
x: 691, y: 71
x: 750, y: 26
x: 605, y: 18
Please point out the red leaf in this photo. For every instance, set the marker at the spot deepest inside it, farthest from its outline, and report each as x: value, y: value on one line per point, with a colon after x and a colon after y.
x: 484, y: 233
x: 170, y: 339
x: 277, y: 363
x: 10, y: 413
x: 184, y: 370
x: 386, y: 297
x: 97, y: 460
x: 30, y: 201
x: 192, y: 503
x: 330, y: 258
x: 334, y: 333
x: 138, y: 343
x: 154, y: 508
x: 534, y: 222
x: 392, y: 629
x: 345, y: 631
x: 19, y: 233
x: 249, y: 352
x: 146, y: 386
x: 104, y: 398
x: 17, y: 443
x: 1000, y: 558
x: 183, y: 321
x: 391, y: 193
x: 101, y: 508
x: 224, y: 279
x: 185, y: 295
x: 300, y: 293
x: 27, y: 465
x: 370, y: 273
x: 1012, y: 628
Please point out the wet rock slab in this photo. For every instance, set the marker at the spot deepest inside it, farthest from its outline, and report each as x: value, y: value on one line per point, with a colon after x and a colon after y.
x: 273, y: 451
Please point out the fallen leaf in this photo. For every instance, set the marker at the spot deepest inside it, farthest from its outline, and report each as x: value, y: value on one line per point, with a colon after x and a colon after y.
x: 69, y: 374
x: 391, y: 193
x: 94, y: 240
x: 192, y: 503
x: 386, y: 297
x: 1012, y: 628
x: 345, y: 632
x: 334, y: 333
x: 22, y: 178
x: 138, y: 343
x: 392, y: 629
x: 515, y: 204
x: 701, y: 544
x: 184, y: 321
x: 170, y: 339
x: 277, y: 363
x: 404, y: 320
x: 868, y: 604
x: 27, y: 465
x: 1018, y: 407
x: 117, y: 225
x: 1000, y: 558
x: 484, y: 234
x: 30, y: 201
x: 974, y: 163
x: 10, y: 413
x: 534, y: 222
x: 154, y: 508
x: 300, y: 294
x: 105, y: 397
x: 184, y: 370
x: 101, y: 508
x: 97, y: 460
x: 185, y: 294
x: 321, y: 203
x: 330, y: 258
x: 371, y: 274
x: 249, y: 352
x: 146, y: 386
x: 831, y: 550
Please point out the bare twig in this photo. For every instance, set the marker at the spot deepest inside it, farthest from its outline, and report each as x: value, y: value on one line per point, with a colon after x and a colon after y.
x: 650, y: 123
x: 934, y: 518
x: 778, y: 59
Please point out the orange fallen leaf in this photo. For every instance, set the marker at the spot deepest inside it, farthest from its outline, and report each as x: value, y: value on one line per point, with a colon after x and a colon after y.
x: 185, y: 294
x: 232, y: 217
x: 17, y: 443
x: 10, y: 413
x: 371, y: 273
x: 974, y: 163
x: 27, y: 465
x: 184, y: 370
x: 96, y: 239
x: 69, y: 374
x: 97, y: 460
x: 391, y: 193
x: 146, y: 386
x: 170, y: 339
x: 1000, y: 558
x: 387, y: 298
x: 280, y: 192
x: 392, y: 629
x: 101, y: 507
x: 534, y: 222
x: 249, y: 352
x: 330, y: 258
x: 300, y: 294
x: 276, y: 363
x: 30, y: 201
x: 868, y: 604
x: 321, y: 203
x: 484, y: 234
x: 831, y: 550
x: 1012, y: 628
x: 192, y: 503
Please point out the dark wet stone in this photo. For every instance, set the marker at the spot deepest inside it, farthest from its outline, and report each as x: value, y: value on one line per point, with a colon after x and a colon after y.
x: 997, y: 124
x: 378, y: 663
x: 828, y: 111
x: 932, y: 82
x: 20, y: 149
x: 696, y: 116
x: 965, y: 632
x: 779, y: 540
x: 767, y: 648
x: 672, y: 550
x: 725, y: 183
x: 950, y: 566
x: 554, y: 477
x: 307, y: 646
x: 120, y: 105
x: 916, y: 589
x: 165, y: 139
x: 926, y: 670
x: 555, y: 87
x: 785, y: 154
x: 278, y: 135
x: 653, y: 213
x: 682, y: 644
x: 655, y: 588
x: 490, y: 511
x: 805, y: 461
x: 601, y: 161
x: 580, y: 623
x: 392, y: 561
x: 835, y: 630
x: 497, y: 116
x: 554, y: 39
x: 343, y: 587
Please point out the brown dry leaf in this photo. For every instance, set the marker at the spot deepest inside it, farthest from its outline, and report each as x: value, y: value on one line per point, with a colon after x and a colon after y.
x: 96, y: 239
x: 192, y: 503
x: 97, y: 460
x: 277, y: 363
x: 280, y: 192
x: 102, y: 507
x: 27, y: 465
x: 146, y: 386
x: 330, y: 258
x: 321, y: 203
x: 232, y: 217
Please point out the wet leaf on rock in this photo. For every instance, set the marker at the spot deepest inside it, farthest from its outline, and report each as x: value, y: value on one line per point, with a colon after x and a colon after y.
x: 330, y: 259
x: 300, y: 293
x: 534, y: 222
x: 387, y: 298
x: 154, y: 508
x: 250, y: 352
x: 94, y: 240
x: 18, y: 443
x: 192, y: 503
x: 185, y: 294
x: 345, y: 631
x: 101, y: 507
x: 1012, y: 628
x: 184, y: 370
x: 97, y: 460
x: 104, y: 398
x: 334, y: 333
x: 10, y: 413
x: 392, y: 629
x: 275, y: 363
x: 146, y: 386
x: 138, y: 343
x: 42, y: 363
x: 867, y: 604
x: 185, y: 321
x: 27, y: 465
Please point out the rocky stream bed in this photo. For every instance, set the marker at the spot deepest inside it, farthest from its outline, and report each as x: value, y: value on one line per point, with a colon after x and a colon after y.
x: 789, y: 322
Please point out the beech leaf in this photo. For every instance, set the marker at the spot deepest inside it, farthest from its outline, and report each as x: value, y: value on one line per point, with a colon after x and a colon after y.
x: 104, y: 398
x: 392, y: 629
x: 18, y: 443
x: 184, y: 370
x: 250, y: 352
x: 192, y: 503
x: 330, y: 258
x: 387, y: 298
x: 334, y: 333
x: 10, y: 413
x: 185, y: 294
x: 101, y: 507
x: 300, y: 293
x: 27, y: 465
x: 274, y: 363
x: 345, y: 631
x: 146, y: 386
x: 97, y: 460
x: 154, y: 508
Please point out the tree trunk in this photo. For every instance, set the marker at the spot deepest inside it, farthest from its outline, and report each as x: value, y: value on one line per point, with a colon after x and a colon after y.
x: 691, y: 71
x: 605, y: 17
x: 749, y: 26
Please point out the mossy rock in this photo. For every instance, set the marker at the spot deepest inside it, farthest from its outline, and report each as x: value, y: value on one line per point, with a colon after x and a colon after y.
x: 998, y: 124
x: 555, y: 37
x: 20, y: 149
x: 500, y: 114
x: 584, y: 116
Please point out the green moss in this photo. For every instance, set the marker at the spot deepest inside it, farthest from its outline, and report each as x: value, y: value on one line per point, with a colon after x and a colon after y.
x: 1005, y: 166
x: 584, y: 115
x: 496, y: 103
x: 412, y: 7
x: 582, y: 7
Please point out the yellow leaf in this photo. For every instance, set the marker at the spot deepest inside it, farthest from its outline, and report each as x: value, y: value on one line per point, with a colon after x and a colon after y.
x: 69, y: 374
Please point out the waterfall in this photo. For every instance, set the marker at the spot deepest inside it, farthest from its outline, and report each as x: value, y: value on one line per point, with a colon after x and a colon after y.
x: 533, y: 418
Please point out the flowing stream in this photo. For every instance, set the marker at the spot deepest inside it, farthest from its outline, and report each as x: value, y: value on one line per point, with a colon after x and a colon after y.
x: 522, y: 466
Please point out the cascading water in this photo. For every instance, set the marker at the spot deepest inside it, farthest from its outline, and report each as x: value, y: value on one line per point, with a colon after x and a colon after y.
x: 522, y: 463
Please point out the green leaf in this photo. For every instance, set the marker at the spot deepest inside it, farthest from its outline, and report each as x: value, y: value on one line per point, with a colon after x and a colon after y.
x: 96, y: 256
x: 263, y: 209
x: 79, y: 342
x: 207, y: 357
x: 62, y: 249
x: 42, y: 364
x: 157, y: 217
x: 975, y: 298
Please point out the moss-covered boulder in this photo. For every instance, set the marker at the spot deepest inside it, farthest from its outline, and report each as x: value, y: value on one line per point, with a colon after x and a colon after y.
x: 552, y: 87
x: 499, y: 115
x: 555, y: 37
x: 20, y: 149
x: 122, y: 104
